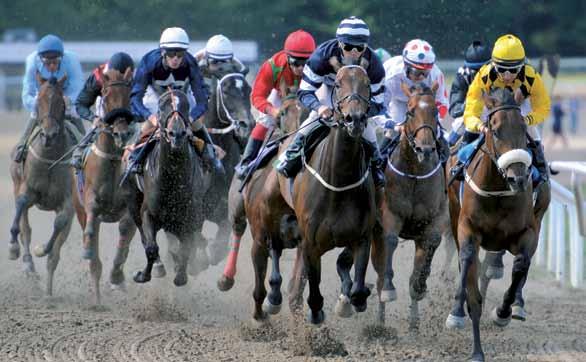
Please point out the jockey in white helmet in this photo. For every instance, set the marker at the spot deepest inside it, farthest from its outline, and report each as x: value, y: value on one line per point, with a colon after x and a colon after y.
x: 217, y: 58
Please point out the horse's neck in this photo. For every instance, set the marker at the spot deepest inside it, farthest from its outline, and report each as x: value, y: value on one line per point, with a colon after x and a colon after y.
x: 486, y: 175
x: 341, y: 157
x: 106, y: 144
x: 57, y: 148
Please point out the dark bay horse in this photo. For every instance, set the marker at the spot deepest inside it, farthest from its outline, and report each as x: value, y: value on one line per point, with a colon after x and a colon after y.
x: 38, y: 184
x: 101, y: 199
x: 172, y: 189
x: 415, y: 205
x: 272, y: 222
x: 229, y: 122
x: 496, y: 212
x: 334, y: 200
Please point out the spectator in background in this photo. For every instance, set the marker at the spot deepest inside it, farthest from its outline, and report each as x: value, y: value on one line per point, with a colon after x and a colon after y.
x: 574, y: 106
x: 558, y: 114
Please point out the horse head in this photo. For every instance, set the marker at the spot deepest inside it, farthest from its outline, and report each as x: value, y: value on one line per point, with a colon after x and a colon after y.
x: 116, y: 88
x: 233, y: 104
x: 291, y: 110
x: 421, y: 122
x: 506, y: 138
x: 352, y: 98
x: 50, y: 109
x: 174, y: 118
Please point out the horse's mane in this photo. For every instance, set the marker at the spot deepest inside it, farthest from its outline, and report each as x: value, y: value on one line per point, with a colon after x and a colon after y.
x: 503, y: 96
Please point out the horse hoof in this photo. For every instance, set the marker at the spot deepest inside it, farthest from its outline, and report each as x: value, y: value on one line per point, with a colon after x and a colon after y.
x: 87, y: 254
x: 519, y: 313
x: 494, y: 272
x: 501, y: 322
x: 455, y: 322
x: 260, y: 322
x: 180, y: 279
x: 270, y: 308
x: 225, y: 283
x: 159, y: 270
x: 343, y: 308
x: 13, y: 251
x: 39, y: 251
x: 120, y: 287
x: 141, y: 277
x: 316, y: 318
x: 117, y: 277
x: 388, y: 296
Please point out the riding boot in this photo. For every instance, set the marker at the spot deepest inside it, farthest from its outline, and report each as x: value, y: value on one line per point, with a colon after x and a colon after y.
x: 289, y: 162
x: 377, y: 163
x: 457, y: 171
x: 22, y: 144
x: 250, y: 152
x: 137, y: 157
x: 76, y: 157
x: 209, y: 153
x: 538, y: 159
x: 390, y: 142
x: 443, y: 149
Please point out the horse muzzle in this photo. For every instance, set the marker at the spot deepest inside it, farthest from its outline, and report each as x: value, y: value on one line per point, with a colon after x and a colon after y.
x: 355, y: 124
x: 424, y: 152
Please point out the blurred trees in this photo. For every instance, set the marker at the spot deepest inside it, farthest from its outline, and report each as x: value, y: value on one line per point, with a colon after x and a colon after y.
x: 449, y: 25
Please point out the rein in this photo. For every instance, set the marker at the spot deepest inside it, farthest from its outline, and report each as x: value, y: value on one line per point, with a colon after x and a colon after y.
x: 232, y: 123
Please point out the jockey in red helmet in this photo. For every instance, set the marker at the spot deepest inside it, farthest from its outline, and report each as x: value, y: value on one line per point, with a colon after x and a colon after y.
x: 284, y: 66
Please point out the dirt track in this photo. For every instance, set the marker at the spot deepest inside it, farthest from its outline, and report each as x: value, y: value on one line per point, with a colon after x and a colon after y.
x: 158, y: 322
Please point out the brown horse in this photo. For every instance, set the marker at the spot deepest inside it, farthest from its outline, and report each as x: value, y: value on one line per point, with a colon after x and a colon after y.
x: 272, y: 221
x: 415, y: 204
x: 38, y: 184
x: 101, y: 198
x: 334, y: 199
x: 496, y: 212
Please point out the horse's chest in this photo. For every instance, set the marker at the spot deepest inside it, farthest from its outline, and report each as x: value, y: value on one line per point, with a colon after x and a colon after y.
x: 51, y: 189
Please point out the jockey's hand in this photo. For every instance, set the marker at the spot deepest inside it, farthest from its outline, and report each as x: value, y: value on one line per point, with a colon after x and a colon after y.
x: 274, y: 112
x: 325, y: 112
x: 67, y: 101
x: 97, y: 121
x: 483, y: 129
x: 153, y: 120
x: 399, y: 128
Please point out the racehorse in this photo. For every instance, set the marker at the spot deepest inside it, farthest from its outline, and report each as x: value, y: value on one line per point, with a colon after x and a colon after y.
x: 494, y: 209
x: 172, y: 190
x: 272, y: 221
x: 415, y: 204
x: 334, y: 200
x: 100, y: 199
x: 43, y: 181
x: 229, y: 122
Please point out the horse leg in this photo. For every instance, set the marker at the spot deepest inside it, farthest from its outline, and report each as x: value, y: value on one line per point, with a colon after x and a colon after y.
x: 343, y: 266
x: 182, y: 258
x: 63, y: 223
x: 474, y: 301
x: 226, y: 281
x: 360, y: 292
x: 315, y: 300
x: 272, y: 304
x: 424, y: 251
x: 237, y: 219
x: 377, y: 257
x: 126, y: 230
x: 218, y: 248
x: 23, y: 203
x: 456, y: 317
x: 92, y: 226
x: 64, y: 215
x: 297, y: 283
x: 449, y: 249
x: 502, y: 315
x: 495, y: 266
x: 389, y: 293
x: 25, y: 237
x: 149, y: 233
x: 259, y: 254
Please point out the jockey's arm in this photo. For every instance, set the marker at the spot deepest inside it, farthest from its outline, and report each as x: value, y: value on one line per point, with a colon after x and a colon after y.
x: 74, y: 83
x: 441, y: 97
x: 139, y: 85
x: 310, y: 82
x: 474, y: 106
x: 540, y: 103
x: 29, y: 86
x: 199, y: 90
x: 87, y: 97
x: 261, y: 89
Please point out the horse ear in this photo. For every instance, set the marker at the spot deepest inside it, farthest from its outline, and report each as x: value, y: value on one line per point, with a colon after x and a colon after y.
x: 128, y: 74
x: 434, y: 86
x: 335, y: 63
x: 519, y: 97
x: 488, y: 100
x: 61, y: 81
x: 405, y: 89
x: 40, y: 79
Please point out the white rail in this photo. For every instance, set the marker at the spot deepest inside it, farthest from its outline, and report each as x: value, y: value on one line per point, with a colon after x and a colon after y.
x: 564, y: 227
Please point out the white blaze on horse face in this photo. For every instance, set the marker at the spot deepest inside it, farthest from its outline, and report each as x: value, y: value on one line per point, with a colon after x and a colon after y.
x: 176, y: 102
x: 423, y: 104
x: 239, y: 83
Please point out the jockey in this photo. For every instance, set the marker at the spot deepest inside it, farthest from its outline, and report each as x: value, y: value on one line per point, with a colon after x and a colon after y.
x: 49, y: 60
x: 284, y: 66
x: 475, y: 57
x: 217, y: 58
x: 92, y: 89
x: 348, y: 48
x: 170, y: 66
x: 509, y: 69
x: 415, y: 65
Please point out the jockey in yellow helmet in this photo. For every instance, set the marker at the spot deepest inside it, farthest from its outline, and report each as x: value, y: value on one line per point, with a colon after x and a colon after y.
x: 508, y: 69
